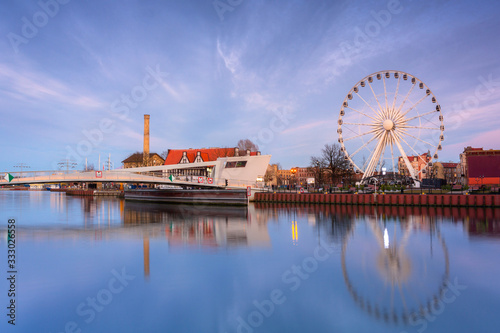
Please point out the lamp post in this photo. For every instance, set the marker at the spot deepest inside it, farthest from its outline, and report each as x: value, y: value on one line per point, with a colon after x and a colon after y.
x: 293, y: 171
x: 21, y: 166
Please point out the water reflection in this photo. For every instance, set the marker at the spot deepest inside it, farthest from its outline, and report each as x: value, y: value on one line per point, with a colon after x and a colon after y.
x: 205, y: 226
x: 387, y: 268
x: 337, y: 220
x: 395, y: 260
x: 400, y: 276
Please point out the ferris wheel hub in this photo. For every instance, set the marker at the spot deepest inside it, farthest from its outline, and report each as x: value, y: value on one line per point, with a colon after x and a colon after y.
x: 390, y: 119
x: 388, y: 124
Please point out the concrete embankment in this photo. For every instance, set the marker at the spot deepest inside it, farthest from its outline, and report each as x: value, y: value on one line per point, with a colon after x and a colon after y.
x: 459, y: 200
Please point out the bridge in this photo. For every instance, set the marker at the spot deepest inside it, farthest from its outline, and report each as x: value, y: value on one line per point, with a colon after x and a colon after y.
x: 111, y: 176
x: 218, y: 174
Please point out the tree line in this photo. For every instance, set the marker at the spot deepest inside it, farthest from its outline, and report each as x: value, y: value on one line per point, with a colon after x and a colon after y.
x: 329, y: 167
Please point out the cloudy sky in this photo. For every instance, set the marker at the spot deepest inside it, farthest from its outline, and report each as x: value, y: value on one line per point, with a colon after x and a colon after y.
x: 76, y: 77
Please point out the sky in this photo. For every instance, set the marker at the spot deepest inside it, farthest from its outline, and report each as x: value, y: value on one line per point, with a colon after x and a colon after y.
x: 77, y: 77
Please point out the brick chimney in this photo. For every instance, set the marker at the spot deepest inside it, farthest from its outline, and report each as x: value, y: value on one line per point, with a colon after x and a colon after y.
x: 145, y: 151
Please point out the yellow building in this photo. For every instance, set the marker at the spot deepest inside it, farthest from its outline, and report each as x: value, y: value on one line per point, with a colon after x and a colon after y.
x: 136, y: 160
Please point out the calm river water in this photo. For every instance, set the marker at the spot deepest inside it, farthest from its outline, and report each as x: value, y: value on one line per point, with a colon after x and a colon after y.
x: 107, y: 265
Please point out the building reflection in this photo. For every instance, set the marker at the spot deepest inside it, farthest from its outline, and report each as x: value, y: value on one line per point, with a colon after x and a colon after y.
x: 200, y: 226
x: 194, y: 226
x: 145, y: 250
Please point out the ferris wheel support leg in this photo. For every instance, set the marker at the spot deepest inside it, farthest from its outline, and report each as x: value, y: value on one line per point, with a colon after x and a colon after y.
x: 405, y: 158
x: 376, y: 157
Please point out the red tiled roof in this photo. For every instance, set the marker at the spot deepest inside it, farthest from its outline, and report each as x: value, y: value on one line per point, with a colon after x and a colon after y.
x: 449, y: 165
x: 207, y: 154
x: 414, y: 158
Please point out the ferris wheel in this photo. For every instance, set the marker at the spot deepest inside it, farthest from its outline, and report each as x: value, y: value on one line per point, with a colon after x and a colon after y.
x: 390, y: 119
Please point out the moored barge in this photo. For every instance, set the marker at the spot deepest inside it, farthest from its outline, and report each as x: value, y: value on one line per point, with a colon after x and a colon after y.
x: 190, y: 196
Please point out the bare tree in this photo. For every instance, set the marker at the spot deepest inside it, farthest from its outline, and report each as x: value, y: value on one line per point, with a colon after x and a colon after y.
x: 222, y: 152
x: 245, y: 144
x: 164, y: 154
x: 335, y: 163
x: 317, y: 168
x: 272, y: 174
x: 279, y: 176
x: 90, y: 167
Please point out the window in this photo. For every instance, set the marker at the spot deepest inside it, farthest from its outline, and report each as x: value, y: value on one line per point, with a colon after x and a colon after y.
x: 184, y: 158
x: 198, y: 158
x: 238, y: 164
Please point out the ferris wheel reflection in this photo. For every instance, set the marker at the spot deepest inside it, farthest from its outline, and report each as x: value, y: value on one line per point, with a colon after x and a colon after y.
x: 392, y: 270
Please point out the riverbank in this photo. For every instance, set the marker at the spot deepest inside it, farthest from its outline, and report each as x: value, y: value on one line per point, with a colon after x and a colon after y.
x: 458, y: 200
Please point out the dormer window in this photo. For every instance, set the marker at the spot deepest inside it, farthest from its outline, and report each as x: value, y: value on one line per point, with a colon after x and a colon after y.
x: 184, y: 158
x: 198, y: 158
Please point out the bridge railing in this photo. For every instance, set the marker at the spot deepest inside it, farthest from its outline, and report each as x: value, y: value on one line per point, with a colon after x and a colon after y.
x: 39, y: 173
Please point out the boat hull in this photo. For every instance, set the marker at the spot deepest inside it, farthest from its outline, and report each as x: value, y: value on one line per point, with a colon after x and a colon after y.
x: 181, y: 196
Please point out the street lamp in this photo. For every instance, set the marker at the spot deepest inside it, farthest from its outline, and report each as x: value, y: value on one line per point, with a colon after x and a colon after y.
x: 293, y: 171
x: 21, y: 166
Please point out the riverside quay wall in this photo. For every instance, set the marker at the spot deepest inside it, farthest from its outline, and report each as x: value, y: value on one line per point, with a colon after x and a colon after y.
x: 459, y: 200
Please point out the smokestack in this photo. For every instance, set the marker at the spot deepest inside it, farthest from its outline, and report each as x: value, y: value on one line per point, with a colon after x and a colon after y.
x: 145, y: 158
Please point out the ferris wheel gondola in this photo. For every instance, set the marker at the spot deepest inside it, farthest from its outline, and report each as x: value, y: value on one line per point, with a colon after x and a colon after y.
x: 387, y: 117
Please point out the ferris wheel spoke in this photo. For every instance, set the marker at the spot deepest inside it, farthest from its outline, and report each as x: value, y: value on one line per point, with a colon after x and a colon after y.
x: 381, y: 159
x: 364, y: 114
x: 359, y: 124
x: 385, y: 93
x: 396, y: 95
x: 416, y: 153
x: 363, y: 146
x: 414, y: 105
x: 392, y: 158
x: 368, y: 104
x: 406, y: 97
x: 419, y: 116
x: 423, y: 141
x: 360, y: 135
x: 375, y: 95
x: 420, y: 127
x: 369, y: 161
